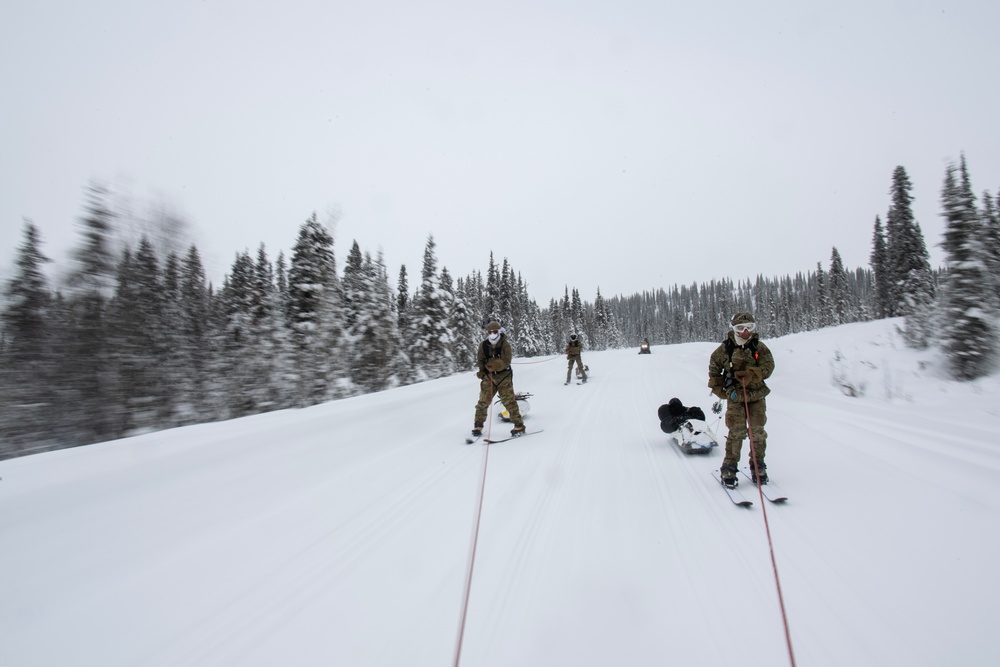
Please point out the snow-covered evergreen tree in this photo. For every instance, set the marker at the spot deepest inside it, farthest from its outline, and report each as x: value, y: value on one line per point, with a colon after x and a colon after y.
x: 27, y: 362
x: 824, y: 305
x: 879, y: 261
x: 919, y: 292
x: 839, y: 296
x: 991, y: 246
x: 532, y: 336
x: 899, y: 225
x: 86, y: 376
x: 463, y: 348
x: 912, y: 294
x: 198, y: 399
x: 967, y: 334
x: 314, y: 313
x: 373, y: 332
x: 491, y: 299
x: 138, y: 342
x: 430, y: 334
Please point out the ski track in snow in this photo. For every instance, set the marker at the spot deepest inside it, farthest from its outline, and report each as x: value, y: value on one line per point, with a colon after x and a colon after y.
x: 340, y: 534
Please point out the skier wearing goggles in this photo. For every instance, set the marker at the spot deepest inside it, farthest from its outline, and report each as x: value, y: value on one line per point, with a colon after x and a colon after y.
x: 736, y: 373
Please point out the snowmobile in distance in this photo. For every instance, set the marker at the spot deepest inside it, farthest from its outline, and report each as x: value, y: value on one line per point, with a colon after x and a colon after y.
x: 522, y: 405
x: 644, y: 348
x: 686, y: 427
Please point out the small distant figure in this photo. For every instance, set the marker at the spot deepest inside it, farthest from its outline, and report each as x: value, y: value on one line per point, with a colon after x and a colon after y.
x: 496, y: 378
x: 644, y: 347
x: 574, y: 350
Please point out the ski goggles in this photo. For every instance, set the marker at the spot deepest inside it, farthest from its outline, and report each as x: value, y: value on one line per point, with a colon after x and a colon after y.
x: 744, y: 328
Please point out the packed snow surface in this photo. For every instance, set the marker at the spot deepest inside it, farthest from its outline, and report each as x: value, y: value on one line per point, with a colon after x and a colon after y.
x: 343, y: 534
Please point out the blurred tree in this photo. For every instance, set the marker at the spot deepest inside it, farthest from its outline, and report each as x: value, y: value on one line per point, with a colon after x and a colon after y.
x: 431, y: 341
x: 967, y: 334
x: 27, y: 362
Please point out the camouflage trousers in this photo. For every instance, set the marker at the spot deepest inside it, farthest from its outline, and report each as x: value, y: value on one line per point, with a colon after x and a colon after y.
x: 736, y: 420
x: 575, y: 359
x: 501, y: 384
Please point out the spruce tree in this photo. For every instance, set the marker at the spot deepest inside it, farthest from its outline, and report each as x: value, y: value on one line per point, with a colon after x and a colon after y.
x: 912, y: 294
x: 839, y: 297
x: 824, y: 315
x: 967, y: 335
x: 899, y: 225
x: 991, y: 247
x: 431, y: 347
x: 879, y: 261
x: 85, y: 377
x: 27, y: 362
x: 138, y: 342
x: 314, y: 312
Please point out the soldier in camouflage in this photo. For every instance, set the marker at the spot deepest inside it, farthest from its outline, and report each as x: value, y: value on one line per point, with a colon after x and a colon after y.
x: 496, y: 378
x: 736, y: 373
x: 574, y: 354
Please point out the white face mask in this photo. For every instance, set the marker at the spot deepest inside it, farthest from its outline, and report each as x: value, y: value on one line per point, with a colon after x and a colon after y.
x: 493, y: 337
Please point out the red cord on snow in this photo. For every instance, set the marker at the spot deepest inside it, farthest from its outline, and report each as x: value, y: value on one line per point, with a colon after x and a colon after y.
x: 767, y: 528
x: 475, y: 537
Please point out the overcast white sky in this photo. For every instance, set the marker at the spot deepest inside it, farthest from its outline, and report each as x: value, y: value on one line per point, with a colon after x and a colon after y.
x: 622, y: 146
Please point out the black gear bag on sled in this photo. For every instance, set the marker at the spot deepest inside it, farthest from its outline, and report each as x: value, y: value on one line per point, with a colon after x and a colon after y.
x: 686, y: 426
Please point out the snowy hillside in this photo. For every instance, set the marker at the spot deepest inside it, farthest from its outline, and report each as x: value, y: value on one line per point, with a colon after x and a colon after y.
x: 341, y: 534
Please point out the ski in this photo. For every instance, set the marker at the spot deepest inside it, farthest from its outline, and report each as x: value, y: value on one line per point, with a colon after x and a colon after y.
x: 473, y: 439
x: 770, y: 490
x: 734, y: 494
x: 512, y: 437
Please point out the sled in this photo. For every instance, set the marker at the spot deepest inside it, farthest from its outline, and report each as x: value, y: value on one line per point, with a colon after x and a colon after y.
x: 522, y: 405
x: 693, y: 437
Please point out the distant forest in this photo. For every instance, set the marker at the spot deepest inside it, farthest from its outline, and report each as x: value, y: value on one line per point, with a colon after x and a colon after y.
x: 137, y: 340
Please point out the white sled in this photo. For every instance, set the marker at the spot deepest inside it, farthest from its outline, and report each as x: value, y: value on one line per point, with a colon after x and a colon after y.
x: 693, y: 437
x: 522, y: 405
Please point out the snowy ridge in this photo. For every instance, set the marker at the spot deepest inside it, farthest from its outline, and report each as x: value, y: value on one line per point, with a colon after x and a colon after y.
x: 340, y: 534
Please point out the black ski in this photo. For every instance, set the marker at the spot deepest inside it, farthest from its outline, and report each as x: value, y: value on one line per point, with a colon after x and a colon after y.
x: 473, y: 439
x: 512, y: 437
x: 770, y: 490
x: 734, y: 494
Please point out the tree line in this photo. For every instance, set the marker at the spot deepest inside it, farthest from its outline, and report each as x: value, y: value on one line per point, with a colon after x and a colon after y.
x: 137, y: 339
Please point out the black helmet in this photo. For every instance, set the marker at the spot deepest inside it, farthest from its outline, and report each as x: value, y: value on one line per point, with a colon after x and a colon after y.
x: 572, y: 336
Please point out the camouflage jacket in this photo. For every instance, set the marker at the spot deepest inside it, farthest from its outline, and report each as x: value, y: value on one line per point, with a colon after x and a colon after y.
x: 729, y: 358
x: 574, y: 348
x: 496, y: 356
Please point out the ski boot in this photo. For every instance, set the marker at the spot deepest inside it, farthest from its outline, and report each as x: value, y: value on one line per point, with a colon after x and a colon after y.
x: 728, y: 474
x: 477, y: 429
x: 759, y: 468
x: 517, y: 430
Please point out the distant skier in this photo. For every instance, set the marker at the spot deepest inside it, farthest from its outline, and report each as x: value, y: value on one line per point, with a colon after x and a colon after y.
x: 574, y: 350
x: 674, y: 414
x: 496, y: 378
x: 742, y: 360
